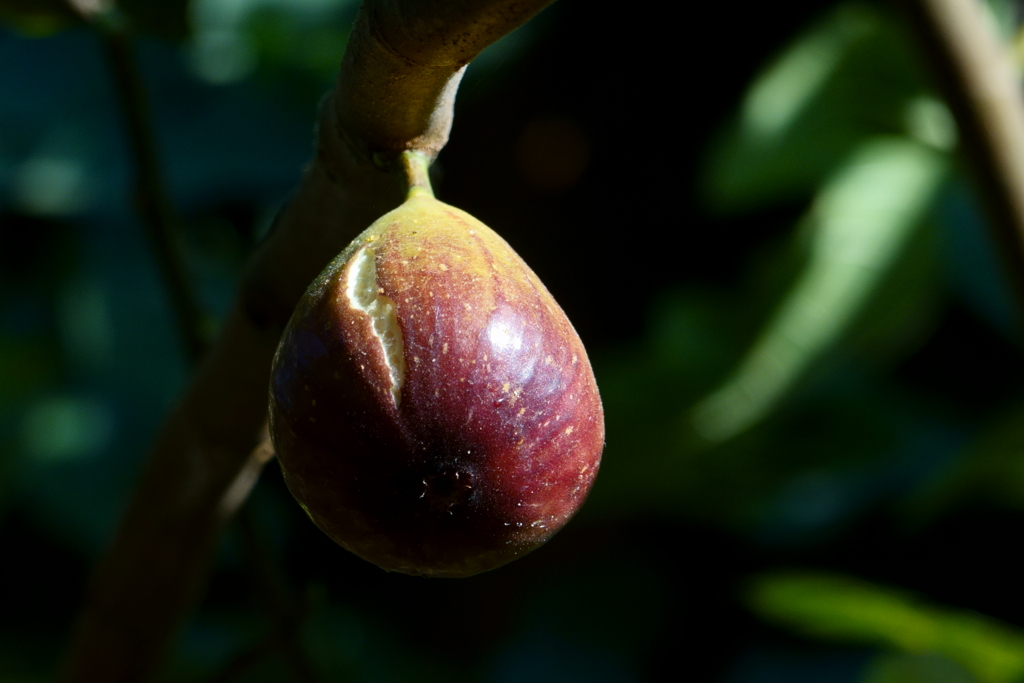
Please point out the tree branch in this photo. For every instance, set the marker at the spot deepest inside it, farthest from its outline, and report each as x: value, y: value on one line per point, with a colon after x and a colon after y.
x: 403, y: 65
x: 395, y: 91
x: 982, y: 87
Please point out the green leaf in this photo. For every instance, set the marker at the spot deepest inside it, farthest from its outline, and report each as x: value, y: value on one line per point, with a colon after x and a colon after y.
x: 850, y: 76
x: 841, y: 434
x: 859, y: 223
x: 841, y: 608
x: 780, y: 95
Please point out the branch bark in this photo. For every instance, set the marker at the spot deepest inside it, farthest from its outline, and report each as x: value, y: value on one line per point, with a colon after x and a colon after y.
x: 982, y: 86
x: 395, y: 91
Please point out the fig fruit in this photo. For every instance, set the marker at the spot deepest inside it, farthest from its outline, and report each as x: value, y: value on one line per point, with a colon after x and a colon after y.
x: 432, y: 408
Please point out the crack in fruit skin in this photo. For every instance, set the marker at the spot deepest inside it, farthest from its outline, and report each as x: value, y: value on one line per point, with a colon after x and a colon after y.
x: 365, y: 296
x: 498, y: 435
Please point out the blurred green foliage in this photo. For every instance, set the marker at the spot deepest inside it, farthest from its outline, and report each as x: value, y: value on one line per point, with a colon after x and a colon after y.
x: 838, y: 607
x: 856, y: 282
x: 44, y: 17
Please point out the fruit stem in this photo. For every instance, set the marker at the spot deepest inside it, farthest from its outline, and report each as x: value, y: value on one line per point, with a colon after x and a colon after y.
x: 416, y: 166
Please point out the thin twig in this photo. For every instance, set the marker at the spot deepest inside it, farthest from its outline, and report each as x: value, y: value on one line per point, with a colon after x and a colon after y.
x: 154, y: 208
x: 982, y: 87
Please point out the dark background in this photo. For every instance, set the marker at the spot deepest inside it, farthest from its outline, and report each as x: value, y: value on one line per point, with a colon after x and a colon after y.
x: 594, y: 140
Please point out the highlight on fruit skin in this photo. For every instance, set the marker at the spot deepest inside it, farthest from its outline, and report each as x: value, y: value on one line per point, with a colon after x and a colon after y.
x: 432, y: 408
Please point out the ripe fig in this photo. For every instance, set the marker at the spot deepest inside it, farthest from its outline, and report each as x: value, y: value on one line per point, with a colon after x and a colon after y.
x: 432, y: 408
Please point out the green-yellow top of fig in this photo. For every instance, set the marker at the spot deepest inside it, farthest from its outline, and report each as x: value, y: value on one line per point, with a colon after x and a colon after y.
x: 432, y: 408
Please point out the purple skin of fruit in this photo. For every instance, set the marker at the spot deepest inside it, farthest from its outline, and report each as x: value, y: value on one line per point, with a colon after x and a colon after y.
x: 476, y: 451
